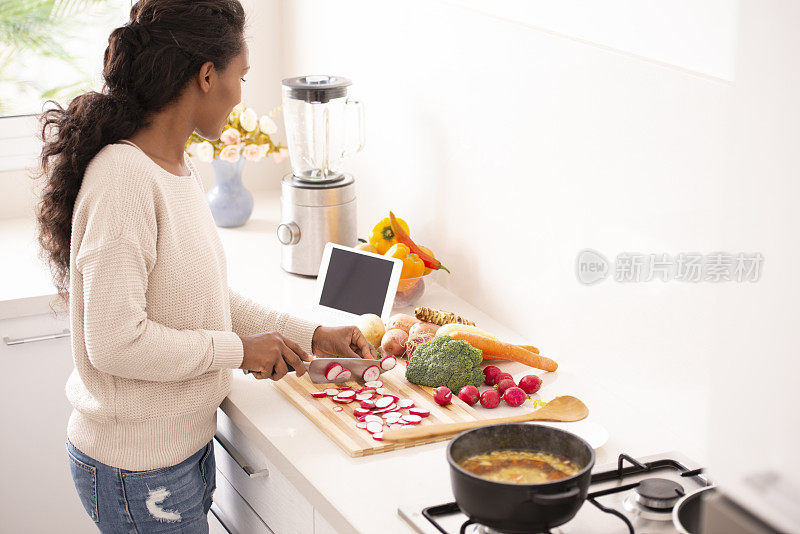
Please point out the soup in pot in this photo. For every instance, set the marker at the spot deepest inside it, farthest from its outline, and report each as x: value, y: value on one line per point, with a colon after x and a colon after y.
x: 519, y: 467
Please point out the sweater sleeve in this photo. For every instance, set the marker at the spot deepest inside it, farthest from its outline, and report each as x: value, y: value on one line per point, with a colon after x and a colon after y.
x: 249, y: 317
x: 120, y: 338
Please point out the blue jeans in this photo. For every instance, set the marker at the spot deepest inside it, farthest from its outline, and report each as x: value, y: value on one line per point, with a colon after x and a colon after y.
x: 169, y: 499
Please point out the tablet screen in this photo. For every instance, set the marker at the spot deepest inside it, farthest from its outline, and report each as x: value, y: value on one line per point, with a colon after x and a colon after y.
x: 356, y: 283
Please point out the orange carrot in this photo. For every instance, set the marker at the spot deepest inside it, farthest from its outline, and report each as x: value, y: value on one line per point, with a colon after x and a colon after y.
x: 530, y: 348
x: 506, y: 351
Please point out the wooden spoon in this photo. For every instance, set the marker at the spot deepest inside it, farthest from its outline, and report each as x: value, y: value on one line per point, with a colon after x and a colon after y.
x: 563, y: 409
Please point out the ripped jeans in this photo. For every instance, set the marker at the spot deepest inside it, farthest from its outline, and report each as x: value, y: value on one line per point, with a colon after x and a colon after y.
x: 165, y: 500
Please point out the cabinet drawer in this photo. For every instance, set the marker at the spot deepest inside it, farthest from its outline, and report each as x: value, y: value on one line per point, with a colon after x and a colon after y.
x: 271, y: 495
x: 234, y: 514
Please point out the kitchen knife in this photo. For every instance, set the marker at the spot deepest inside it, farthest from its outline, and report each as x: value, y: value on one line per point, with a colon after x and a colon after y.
x: 316, y: 368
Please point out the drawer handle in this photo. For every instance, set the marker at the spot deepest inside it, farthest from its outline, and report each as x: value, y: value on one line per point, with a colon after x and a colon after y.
x: 218, y: 514
x: 19, y: 341
x: 249, y: 471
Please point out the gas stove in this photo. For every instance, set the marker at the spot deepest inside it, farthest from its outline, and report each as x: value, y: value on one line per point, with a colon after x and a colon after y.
x: 634, y: 496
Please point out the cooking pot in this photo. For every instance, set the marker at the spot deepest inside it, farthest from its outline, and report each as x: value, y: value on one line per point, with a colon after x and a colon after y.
x: 519, y: 508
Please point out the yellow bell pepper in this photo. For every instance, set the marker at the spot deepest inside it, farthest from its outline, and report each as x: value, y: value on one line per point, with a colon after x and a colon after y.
x: 413, y: 267
x: 382, y: 237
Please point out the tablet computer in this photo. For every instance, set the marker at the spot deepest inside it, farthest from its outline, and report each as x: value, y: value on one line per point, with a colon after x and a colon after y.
x: 353, y: 282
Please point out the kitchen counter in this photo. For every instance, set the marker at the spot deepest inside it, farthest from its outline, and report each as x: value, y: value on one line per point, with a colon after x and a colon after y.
x: 352, y: 494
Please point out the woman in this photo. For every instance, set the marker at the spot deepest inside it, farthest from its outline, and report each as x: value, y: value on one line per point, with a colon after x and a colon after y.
x: 133, y: 248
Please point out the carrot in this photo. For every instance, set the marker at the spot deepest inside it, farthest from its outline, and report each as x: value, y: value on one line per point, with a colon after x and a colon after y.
x: 506, y: 351
x: 530, y: 348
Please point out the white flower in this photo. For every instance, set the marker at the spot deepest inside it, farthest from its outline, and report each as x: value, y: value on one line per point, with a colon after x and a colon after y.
x: 254, y: 152
x: 204, y: 151
x: 267, y: 125
x: 231, y: 136
x: 235, y: 112
x: 280, y: 155
x: 230, y: 153
x: 249, y: 120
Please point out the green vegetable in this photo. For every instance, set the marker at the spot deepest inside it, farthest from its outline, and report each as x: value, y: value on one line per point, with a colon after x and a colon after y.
x: 445, y: 362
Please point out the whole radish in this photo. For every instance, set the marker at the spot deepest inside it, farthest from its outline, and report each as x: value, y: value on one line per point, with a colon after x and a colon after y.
x: 443, y: 395
x: 490, y: 372
x: 469, y: 394
x: 530, y: 383
x: 501, y: 376
x: 514, y: 396
x: 504, y: 384
x: 490, y: 399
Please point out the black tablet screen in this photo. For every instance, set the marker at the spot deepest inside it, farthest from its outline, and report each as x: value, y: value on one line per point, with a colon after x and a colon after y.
x: 356, y: 283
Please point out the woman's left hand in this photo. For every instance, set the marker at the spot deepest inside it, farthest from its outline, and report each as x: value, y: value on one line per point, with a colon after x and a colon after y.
x: 341, y: 342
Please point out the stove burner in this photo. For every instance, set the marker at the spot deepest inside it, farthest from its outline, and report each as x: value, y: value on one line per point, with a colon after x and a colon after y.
x: 658, y: 493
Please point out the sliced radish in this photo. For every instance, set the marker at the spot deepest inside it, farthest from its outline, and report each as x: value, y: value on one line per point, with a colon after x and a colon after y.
x: 332, y: 371
x: 364, y: 396
x: 358, y: 412
x: 344, y: 387
x: 377, y: 436
x: 342, y: 401
x: 388, y: 362
x: 405, y: 403
x: 371, y: 373
x: 372, y: 417
x: 345, y: 374
x: 361, y: 425
x: 362, y: 418
x: 374, y: 426
x: 413, y: 419
x: 373, y: 384
x: 331, y: 392
x: 395, y: 426
x: 392, y: 407
x: 381, y: 391
x: 319, y: 394
x: 337, y: 408
x: 391, y: 415
x: 422, y: 412
x: 395, y: 398
x: 384, y: 402
x: 347, y: 394
x: 369, y: 404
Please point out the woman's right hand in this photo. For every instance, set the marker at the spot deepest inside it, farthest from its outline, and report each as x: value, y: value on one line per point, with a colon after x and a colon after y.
x: 267, y: 354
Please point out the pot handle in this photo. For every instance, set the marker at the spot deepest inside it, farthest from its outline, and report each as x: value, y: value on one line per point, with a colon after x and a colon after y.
x: 556, y: 498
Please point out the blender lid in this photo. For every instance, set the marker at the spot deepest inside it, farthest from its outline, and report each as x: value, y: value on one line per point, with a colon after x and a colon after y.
x: 316, y: 88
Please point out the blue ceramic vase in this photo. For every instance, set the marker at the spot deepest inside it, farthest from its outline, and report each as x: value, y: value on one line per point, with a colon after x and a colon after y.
x: 231, y: 204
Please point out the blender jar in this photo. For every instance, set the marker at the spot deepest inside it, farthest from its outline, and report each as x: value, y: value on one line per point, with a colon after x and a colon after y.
x: 319, y: 121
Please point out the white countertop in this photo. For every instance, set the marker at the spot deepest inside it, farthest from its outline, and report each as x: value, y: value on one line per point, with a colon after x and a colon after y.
x: 354, y: 494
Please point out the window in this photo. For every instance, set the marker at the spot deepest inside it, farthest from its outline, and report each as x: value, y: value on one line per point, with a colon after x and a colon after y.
x: 49, y: 49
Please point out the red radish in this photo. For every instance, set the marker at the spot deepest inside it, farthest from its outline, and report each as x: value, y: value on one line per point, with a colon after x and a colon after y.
x: 361, y: 425
x: 490, y: 399
x: 331, y: 392
x: 490, y: 371
x: 363, y: 396
x: 332, y: 371
x: 384, y: 402
x: 362, y: 418
x: 375, y: 384
x: 405, y: 403
x: 388, y: 362
x: 377, y: 436
x: 530, y: 383
x: 502, y: 376
x: 392, y: 407
x: 413, y: 419
x: 422, y: 412
x: 342, y: 401
x: 372, y: 417
x: 371, y: 373
x: 514, y: 396
x: 368, y: 404
x: 374, y: 426
x: 347, y: 394
x: 381, y: 391
x: 443, y: 395
x: 394, y: 398
x: 345, y: 374
x: 469, y: 394
x: 504, y: 384
x: 337, y: 408
x: 395, y: 426
x: 319, y: 394
x: 390, y: 415
x: 358, y: 412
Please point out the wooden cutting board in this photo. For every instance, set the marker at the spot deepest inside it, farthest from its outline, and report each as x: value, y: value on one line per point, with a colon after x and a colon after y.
x: 341, y: 426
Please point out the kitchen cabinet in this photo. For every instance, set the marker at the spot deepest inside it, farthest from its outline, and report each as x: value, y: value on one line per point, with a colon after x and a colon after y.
x: 37, y: 494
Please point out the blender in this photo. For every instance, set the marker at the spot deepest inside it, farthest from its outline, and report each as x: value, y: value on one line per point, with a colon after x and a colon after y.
x: 318, y: 200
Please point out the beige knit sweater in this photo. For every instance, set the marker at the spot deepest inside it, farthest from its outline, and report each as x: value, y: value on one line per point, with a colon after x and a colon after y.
x: 155, y: 328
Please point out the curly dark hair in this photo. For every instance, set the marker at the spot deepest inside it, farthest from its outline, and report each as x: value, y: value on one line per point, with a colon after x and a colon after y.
x: 147, y: 65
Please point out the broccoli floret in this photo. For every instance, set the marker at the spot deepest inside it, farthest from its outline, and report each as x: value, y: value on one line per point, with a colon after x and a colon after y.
x: 445, y: 362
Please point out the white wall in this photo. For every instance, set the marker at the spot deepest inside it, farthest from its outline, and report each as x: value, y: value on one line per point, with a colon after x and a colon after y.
x: 508, y: 150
